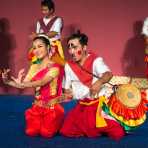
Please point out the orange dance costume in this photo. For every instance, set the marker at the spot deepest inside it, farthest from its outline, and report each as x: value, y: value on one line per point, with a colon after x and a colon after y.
x: 41, y: 118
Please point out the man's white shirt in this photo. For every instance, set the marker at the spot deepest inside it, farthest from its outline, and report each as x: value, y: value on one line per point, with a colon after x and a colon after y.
x: 145, y: 27
x: 57, y: 25
x: 79, y: 90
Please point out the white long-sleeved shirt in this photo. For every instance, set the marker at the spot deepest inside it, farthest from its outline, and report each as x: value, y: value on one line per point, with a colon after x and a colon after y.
x: 145, y: 27
x: 79, y: 90
x: 57, y: 25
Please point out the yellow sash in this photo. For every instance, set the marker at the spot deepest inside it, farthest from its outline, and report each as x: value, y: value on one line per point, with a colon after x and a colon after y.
x: 100, y: 121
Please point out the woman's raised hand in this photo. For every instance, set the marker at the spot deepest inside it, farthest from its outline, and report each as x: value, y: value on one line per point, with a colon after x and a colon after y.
x: 20, y: 76
x: 5, y: 75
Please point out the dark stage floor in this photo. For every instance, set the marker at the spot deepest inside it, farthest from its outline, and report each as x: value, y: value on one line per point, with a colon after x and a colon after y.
x: 12, y: 130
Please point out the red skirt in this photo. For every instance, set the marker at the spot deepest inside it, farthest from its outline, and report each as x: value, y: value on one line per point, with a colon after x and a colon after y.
x: 81, y: 121
x: 44, y: 121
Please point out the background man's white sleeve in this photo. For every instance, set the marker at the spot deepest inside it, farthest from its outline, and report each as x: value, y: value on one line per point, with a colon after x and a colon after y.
x: 57, y: 26
x: 100, y: 67
x: 38, y: 27
x: 145, y: 27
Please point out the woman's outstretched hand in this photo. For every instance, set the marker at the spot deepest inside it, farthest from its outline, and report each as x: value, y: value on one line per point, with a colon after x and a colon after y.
x: 11, y: 81
x: 5, y: 76
x: 20, y: 76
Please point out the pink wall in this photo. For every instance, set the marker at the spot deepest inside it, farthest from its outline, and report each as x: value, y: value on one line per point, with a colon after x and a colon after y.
x: 113, y: 27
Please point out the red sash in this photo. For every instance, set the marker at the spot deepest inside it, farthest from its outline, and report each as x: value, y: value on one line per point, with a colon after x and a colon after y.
x: 84, y: 76
x: 47, y: 27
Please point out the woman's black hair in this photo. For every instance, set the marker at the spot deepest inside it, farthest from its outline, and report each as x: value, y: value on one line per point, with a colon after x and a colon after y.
x: 83, y: 39
x: 44, y: 40
x: 49, y: 4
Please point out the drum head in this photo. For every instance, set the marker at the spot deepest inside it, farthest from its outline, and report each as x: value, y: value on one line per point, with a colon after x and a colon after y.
x: 128, y: 95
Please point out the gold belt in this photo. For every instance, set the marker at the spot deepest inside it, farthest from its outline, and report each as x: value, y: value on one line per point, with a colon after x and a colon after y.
x: 43, y: 104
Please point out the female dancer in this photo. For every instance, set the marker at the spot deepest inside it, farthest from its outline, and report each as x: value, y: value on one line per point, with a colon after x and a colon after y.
x: 46, y: 77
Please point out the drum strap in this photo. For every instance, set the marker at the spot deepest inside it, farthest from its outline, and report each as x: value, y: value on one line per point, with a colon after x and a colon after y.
x: 82, y: 68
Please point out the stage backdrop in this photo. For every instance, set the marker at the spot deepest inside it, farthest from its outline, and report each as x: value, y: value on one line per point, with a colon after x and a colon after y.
x: 113, y: 27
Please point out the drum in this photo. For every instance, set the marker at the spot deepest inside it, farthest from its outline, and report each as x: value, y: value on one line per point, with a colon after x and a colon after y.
x: 128, y: 95
x: 141, y: 83
x: 128, y: 106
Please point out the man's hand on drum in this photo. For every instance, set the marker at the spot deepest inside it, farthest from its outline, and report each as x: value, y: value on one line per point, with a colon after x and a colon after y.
x: 95, y: 88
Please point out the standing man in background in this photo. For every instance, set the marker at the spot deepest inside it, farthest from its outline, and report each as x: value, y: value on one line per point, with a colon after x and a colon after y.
x: 52, y: 26
x: 145, y: 33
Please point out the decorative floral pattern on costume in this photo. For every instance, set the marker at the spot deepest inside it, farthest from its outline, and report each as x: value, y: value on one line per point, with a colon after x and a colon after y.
x: 128, y: 118
x: 32, y: 58
x: 57, y: 54
x: 48, y: 91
